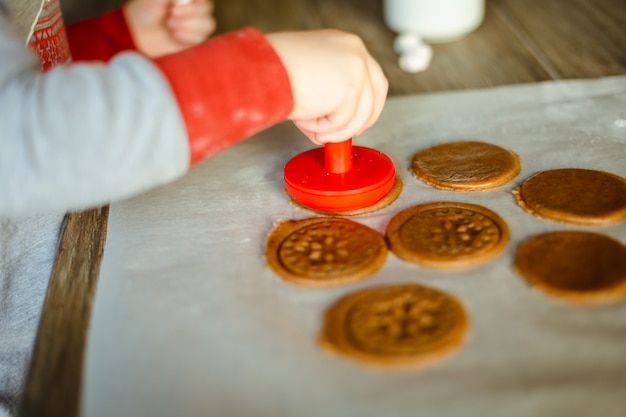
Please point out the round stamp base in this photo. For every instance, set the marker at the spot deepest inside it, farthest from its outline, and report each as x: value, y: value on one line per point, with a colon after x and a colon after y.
x: 310, y: 183
x: 379, y: 205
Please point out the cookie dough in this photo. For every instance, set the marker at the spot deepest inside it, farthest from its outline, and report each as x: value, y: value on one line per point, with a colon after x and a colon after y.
x: 401, y: 324
x: 447, y: 234
x: 324, y: 251
x: 576, y: 196
x: 465, y: 166
x: 578, y: 266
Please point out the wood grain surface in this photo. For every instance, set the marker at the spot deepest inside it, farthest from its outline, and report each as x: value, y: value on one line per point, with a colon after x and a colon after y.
x: 520, y: 41
x: 55, y: 375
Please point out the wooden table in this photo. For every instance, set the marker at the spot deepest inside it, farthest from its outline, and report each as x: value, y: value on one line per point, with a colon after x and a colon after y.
x: 520, y: 41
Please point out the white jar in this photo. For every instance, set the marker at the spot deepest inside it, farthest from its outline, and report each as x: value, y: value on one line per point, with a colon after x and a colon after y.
x: 434, y: 21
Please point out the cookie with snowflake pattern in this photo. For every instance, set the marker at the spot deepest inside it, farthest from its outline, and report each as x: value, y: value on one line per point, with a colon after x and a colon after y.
x: 447, y: 234
x: 398, y: 325
x: 324, y: 251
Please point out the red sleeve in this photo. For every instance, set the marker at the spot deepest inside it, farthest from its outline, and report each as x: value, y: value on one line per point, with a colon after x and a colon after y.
x: 227, y: 88
x: 99, y: 38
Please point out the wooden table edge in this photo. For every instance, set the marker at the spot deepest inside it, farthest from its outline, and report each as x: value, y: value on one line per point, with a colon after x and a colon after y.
x: 54, y: 380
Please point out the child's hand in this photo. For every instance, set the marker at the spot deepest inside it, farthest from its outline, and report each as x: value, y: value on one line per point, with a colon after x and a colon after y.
x: 338, y: 89
x: 162, y: 27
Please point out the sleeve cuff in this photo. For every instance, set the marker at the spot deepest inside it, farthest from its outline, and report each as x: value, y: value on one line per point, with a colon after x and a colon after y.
x: 100, y: 38
x: 227, y: 88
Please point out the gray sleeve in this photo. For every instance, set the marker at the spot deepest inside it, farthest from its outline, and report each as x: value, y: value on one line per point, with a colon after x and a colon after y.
x: 82, y: 135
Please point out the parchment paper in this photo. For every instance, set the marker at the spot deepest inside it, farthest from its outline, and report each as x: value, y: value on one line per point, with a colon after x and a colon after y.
x: 189, y: 321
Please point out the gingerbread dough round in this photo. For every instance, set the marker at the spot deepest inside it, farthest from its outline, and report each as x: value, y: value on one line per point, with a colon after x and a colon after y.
x: 572, y: 195
x: 447, y: 234
x: 401, y: 324
x: 324, y: 251
x: 465, y: 166
x: 578, y: 266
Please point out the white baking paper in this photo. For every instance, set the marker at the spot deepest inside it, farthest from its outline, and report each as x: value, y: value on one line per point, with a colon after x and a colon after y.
x: 189, y: 321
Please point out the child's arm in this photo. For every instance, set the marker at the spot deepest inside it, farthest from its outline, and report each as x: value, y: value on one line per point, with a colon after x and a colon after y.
x: 338, y: 89
x: 83, y: 135
x: 153, y: 27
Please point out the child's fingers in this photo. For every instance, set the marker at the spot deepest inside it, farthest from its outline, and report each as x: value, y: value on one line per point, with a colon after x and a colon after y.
x: 357, y: 122
x: 191, y: 31
x: 361, y: 120
x: 351, y: 120
x: 325, y: 129
x: 192, y: 22
x: 340, y: 116
x: 308, y: 133
x: 380, y: 86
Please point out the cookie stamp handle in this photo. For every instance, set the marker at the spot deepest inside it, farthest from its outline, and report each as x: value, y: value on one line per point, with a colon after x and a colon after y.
x: 338, y: 156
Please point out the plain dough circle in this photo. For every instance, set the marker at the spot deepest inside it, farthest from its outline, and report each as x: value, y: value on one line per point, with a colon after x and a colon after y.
x: 465, y: 166
x: 571, y: 195
x: 578, y: 266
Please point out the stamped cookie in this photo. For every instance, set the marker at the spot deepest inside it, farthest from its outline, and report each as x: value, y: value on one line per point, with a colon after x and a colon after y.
x: 402, y: 324
x: 391, y: 196
x: 572, y: 195
x: 324, y: 251
x: 465, y: 166
x: 578, y: 266
x: 447, y: 234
